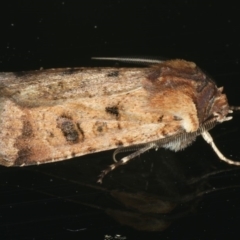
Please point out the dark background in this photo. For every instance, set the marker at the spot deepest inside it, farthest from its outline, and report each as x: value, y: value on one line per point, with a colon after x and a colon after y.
x: 49, y: 201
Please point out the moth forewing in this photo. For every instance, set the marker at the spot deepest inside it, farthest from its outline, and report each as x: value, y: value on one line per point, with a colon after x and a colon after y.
x: 56, y: 114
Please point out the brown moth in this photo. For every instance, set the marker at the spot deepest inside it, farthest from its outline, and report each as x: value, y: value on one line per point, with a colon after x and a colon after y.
x: 57, y: 114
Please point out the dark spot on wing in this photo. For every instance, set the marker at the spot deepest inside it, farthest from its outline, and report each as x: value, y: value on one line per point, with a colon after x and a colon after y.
x: 165, y: 133
x: 119, y: 143
x: 22, y: 143
x: 69, y: 129
x: 113, y: 74
x: 113, y: 110
x: 65, y: 115
x: 73, y: 154
x: 160, y: 118
x: 99, y: 128
x: 51, y: 135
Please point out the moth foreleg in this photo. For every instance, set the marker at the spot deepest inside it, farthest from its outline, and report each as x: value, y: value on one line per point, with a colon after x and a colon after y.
x: 235, y: 108
x: 125, y: 160
x: 208, y: 138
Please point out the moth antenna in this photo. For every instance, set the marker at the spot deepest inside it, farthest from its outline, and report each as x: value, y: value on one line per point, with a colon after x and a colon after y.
x: 208, y: 138
x: 129, y: 60
x: 125, y: 160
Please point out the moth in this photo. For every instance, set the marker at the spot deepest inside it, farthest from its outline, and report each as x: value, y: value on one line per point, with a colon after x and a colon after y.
x: 57, y: 114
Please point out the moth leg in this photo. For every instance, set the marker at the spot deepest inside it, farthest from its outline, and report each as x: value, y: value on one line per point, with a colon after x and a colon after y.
x: 125, y: 160
x: 235, y: 108
x: 208, y: 138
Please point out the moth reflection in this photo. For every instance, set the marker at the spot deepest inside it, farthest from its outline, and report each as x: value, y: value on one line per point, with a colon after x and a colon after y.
x: 159, y: 192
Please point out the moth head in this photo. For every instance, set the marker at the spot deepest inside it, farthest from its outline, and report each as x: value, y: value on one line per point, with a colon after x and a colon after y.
x: 220, y: 108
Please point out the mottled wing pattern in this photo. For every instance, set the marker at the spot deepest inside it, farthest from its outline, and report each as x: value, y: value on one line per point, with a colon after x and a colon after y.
x: 52, y: 115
